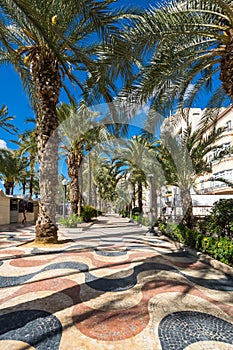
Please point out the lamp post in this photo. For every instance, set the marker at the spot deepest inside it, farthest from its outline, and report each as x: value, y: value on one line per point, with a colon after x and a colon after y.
x: 64, y: 183
x: 151, y: 231
x: 131, y: 206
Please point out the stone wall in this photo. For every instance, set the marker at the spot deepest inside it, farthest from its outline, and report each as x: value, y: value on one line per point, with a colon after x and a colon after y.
x: 4, y: 209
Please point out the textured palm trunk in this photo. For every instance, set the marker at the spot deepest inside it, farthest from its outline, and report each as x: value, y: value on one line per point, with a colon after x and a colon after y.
x: 31, y: 176
x: 8, y: 185
x: 74, y: 162
x: 154, y: 201
x: 23, y: 187
x: 140, y: 204
x: 89, y: 185
x: 227, y: 67
x: 46, y: 78
x: 95, y: 196
x: 187, y: 208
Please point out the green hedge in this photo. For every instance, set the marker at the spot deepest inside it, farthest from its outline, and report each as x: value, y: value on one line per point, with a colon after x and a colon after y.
x: 88, y: 212
x: 220, y: 248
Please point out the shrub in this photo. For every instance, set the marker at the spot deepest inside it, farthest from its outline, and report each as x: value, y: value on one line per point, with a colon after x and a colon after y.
x: 70, y: 221
x: 220, y: 248
x: 136, y: 211
x: 220, y: 221
x: 88, y: 212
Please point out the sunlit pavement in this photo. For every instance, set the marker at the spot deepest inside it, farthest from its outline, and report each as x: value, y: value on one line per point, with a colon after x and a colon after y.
x: 109, y: 286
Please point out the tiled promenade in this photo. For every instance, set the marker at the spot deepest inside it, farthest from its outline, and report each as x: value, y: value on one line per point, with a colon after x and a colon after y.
x: 111, y: 287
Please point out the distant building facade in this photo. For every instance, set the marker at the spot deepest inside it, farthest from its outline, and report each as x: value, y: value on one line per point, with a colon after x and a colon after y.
x: 207, y: 189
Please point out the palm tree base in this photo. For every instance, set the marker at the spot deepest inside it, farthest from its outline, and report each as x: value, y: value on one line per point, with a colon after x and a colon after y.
x: 46, y: 233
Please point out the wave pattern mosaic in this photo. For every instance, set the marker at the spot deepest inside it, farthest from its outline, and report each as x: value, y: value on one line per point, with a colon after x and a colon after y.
x: 110, y: 287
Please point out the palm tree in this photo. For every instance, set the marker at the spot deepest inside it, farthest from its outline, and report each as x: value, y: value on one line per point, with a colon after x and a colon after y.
x: 183, y: 157
x: 80, y: 133
x: 28, y: 147
x: 186, y: 43
x: 106, y: 177
x: 5, y: 120
x: 12, y: 170
x: 132, y: 159
x: 47, y: 42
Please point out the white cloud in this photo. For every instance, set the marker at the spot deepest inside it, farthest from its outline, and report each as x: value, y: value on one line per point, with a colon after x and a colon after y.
x: 3, y: 144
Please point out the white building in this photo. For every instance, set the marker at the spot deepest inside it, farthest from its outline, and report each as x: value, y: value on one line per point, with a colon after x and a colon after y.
x: 207, y: 190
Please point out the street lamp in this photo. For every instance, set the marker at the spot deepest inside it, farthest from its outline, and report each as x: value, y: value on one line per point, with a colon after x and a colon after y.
x: 64, y: 183
x: 151, y: 231
x: 131, y: 206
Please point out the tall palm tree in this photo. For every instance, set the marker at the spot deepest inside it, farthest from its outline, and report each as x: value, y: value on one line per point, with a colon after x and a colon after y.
x: 186, y: 43
x: 183, y: 157
x: 28, y: 147
x: 80, y: 133
x: 107, y: 176
x: 132, y: 159
x: 48, y: 42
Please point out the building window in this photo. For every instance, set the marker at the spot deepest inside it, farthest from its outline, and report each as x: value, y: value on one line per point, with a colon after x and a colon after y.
x: 228, y: 125
x: 226, y: 174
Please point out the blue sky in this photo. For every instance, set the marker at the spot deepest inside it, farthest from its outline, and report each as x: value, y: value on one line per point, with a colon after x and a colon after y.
x: 13, y: 95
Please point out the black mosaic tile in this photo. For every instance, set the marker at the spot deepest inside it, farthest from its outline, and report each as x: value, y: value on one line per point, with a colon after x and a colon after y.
x: 181, y: 329
x: 37, y: 328
x: 119, y: 284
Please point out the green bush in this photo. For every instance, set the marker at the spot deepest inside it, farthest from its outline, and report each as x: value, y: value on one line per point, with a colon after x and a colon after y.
x: 163, y: 227
x: 220, y: 221
x: 136, y: 211
x: 220, y: 248
x: 88, y: 212
x: 70, y: 221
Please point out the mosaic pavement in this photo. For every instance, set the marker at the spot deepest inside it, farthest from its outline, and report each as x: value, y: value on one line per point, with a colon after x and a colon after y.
x: 110, y: 287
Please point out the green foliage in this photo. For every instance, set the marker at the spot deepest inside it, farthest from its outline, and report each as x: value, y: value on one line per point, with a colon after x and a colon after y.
x: 136, y: 211
x: 88, y: 212
x: 162, y: 227
x: 220, y: 221
x: 141, y: 220
x: 70, y: 221
x: 220, y: 248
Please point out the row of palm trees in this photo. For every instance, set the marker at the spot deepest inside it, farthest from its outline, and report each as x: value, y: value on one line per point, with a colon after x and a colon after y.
x: 176, y: 159
x: 157, y: 56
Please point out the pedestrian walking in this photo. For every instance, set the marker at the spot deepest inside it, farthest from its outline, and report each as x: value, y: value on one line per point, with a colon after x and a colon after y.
x: 24, y: 213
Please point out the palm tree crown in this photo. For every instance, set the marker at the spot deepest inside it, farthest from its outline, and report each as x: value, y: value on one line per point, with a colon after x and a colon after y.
x: 187, y: 43
x: 49, y: 41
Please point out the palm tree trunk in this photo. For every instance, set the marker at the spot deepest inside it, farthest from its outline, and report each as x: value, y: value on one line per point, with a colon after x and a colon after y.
x: 74, y: 162
x: 47, y: 81
x: 187, y: 208
x: 31, y: 176
x: 80, y: 201
x: 23, y: 187
x: 12, y: 189
x: 7, y: 185
x: 154, y: 202
x: 89, y: 194
x: 140, y: 203
x: 95, y: 195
